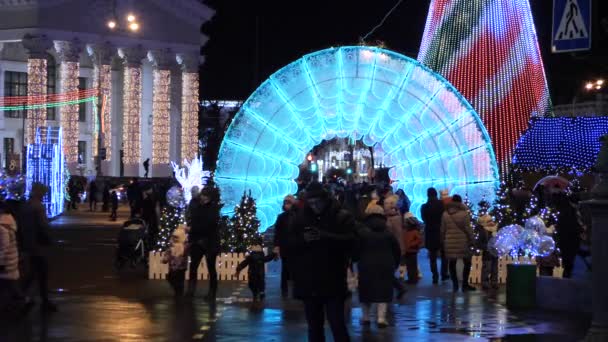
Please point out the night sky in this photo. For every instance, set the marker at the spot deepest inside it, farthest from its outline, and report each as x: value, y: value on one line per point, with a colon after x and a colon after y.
x: 289, y: 29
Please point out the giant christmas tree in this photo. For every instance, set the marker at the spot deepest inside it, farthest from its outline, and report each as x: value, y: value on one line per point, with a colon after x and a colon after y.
x: 488, y: 50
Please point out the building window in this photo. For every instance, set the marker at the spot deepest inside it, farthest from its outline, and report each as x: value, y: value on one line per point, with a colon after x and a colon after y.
x: 82, y: 152
x: 15, y: 84
x: 51, y: 81
x: 82, y: 107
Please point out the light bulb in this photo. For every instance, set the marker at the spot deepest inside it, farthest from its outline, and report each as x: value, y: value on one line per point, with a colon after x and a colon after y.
x: 130, y: 18
x: 134, y: 26
x: 111, y: 24
x: 588, y: 86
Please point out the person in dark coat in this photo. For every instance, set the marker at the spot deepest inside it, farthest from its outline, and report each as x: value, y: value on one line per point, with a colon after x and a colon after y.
x: 135, y: 197
x: 35, y: 240
x: 204, y: 240
x: 281, y: 248
x: 92, y: 196
x: 431, y: 213
x: 114, y: 204
x: 378, y: 255
x: 256, y: 272
x: 105, y: 198
x: 150, y: 215
x: 569, y: 229
x: 321, y: 243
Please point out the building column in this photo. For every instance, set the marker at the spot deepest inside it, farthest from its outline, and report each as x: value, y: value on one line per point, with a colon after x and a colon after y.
x: 131, y: 128
x: 102, y: 81
x: 69, y: 57
x: 599, y: 249
x: 190, y: 107
x: 36, y: 47
x: 161, y: 112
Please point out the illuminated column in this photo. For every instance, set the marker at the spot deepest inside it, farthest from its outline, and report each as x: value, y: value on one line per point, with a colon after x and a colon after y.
x: 161, y: 112
x: 69, y: 56
x: 131, y: 128
x: 36, y: 81
x: 102, y: 58
x: 189, y: 124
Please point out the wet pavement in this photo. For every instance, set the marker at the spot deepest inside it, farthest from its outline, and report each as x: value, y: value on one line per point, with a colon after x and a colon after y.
x: 96, y: 303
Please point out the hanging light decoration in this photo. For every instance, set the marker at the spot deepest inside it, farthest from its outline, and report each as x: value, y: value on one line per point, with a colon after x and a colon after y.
x: 36, y: 89
x: 161, y: 119
x: 105, y: 74
x: 132, y: 108
x: 69, y: 72
x: 189, y: 115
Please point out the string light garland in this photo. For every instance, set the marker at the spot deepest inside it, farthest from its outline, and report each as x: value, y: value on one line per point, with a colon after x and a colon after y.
x: 564, y: 144
x: 36, y: 87
x: 49, y: 105
x: 132, y: 109
x: 69, y: 72
x: 489, y: 51
x: 189, y: 141
x: 18, y: 101
x: 161, y: 119
x: 170, y: 218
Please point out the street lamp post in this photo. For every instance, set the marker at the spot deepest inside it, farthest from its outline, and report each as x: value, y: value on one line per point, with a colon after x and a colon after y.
x: 590, y: 86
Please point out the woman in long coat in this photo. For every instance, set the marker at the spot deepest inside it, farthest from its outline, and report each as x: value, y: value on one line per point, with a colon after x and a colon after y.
x: 456, y: 237
x: 378, y: 257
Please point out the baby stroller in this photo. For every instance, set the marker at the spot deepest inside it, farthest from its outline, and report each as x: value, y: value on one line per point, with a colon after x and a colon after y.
x: 132, y: 247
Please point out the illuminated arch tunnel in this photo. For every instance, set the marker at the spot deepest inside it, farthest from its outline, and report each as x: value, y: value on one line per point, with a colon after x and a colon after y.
x: 430, y: 134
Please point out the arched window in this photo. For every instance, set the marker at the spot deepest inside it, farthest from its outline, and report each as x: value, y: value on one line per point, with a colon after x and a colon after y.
x: 51, y: 84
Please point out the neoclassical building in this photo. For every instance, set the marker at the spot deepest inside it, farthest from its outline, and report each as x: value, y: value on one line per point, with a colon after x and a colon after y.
x: 139, y: 58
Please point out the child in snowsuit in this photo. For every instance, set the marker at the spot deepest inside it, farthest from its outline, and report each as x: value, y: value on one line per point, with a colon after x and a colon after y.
x: 412, y: 240
x: 256, y: 271
x: 489, y: 268
x: 177, y: 258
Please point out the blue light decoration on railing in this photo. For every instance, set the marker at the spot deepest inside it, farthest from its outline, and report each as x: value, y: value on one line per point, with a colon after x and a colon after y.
x: 45, y: 163
x: 561, y: 142
x: 430, y: 134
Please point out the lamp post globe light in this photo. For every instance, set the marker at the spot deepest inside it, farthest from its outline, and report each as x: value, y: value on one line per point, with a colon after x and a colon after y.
x: 590, y: 86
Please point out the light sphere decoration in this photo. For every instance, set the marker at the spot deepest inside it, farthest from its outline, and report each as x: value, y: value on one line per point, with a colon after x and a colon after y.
x: 529, y: 241
x: 536, y: 224
x: 546, y: 246
x: 431, y: 135
x: 175, y: 197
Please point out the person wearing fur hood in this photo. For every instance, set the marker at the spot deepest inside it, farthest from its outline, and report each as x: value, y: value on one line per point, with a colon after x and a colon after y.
x: 177, y: 258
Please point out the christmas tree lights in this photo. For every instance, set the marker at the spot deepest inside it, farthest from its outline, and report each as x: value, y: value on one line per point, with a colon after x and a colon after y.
x: 430, y: 134
x: 489, y: 51
x: 243, y: 226
x: 563, y: 142
x: 170, y: 218
x: 161, y: 120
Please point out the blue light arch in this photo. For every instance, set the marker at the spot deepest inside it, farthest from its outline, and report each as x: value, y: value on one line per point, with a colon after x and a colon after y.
x: 430, y: 134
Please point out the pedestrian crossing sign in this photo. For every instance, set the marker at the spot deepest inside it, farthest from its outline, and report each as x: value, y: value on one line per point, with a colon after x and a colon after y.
x: 571, y: 25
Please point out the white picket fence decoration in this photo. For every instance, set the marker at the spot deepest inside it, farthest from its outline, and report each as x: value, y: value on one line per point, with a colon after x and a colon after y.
x: 226, y: 266
x: 477, y: 262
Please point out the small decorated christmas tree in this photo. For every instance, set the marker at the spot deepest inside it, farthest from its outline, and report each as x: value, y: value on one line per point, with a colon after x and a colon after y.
x: 243, y: 227
x: 502, y: 212
x: 170, y: 218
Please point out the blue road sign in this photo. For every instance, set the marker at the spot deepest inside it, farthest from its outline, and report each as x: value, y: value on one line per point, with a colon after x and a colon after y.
x: 571, y: 25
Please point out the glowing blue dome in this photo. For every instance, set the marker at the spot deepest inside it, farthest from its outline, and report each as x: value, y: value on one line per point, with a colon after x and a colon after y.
x: 430, y: 134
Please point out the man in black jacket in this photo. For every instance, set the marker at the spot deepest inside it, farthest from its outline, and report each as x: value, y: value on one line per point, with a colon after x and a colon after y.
x: 204, y: 240
x: 281, y: 233
x: 431, y: 213
x: 320, y: 242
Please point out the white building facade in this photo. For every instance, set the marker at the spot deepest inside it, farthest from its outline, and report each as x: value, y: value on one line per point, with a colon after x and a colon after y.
x: 146, y: 80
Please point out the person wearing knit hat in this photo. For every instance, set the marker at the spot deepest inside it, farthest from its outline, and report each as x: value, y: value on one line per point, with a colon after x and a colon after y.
x: 412, y: 241
x: 281, y: 241
x: 489, y: 267
x: 378, y: 257
x: 321, y: 239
